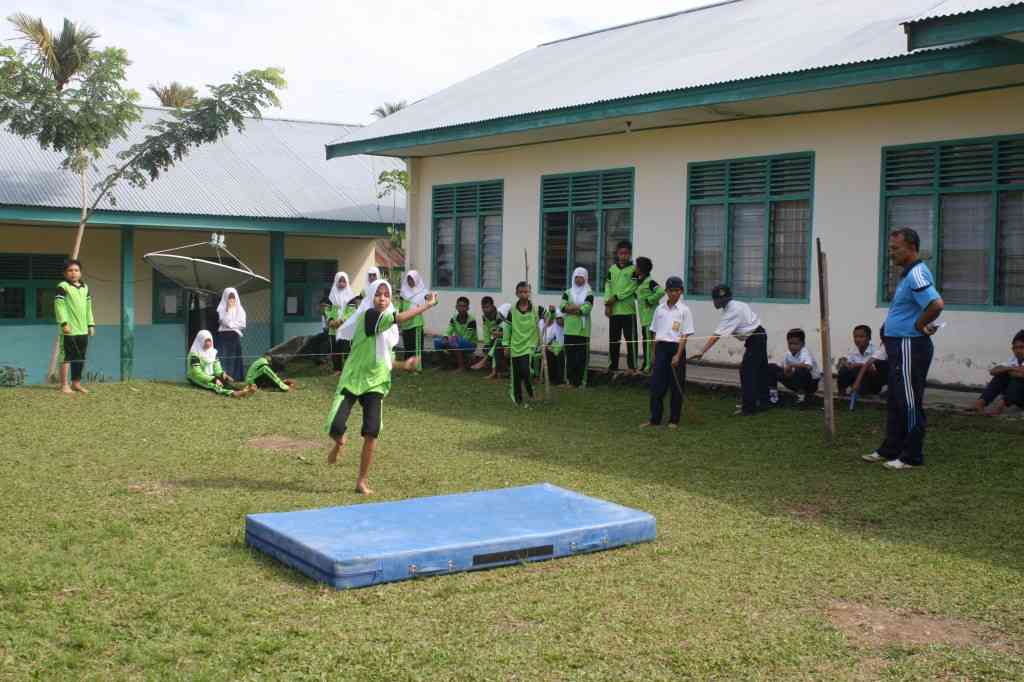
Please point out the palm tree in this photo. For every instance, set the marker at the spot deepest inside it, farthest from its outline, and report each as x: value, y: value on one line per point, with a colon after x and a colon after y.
x: 61, y: 57
x: 175, y: 95
x: 388, y: 108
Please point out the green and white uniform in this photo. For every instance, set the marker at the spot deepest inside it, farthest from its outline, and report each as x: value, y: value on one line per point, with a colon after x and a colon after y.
x: 412, y: 329
x: 72, y: 306
x: 621, y: 284
x: 648, y: 294
x: 577, y: 327
x: 260, y: 372
x: 522, y: 337
x: 203, y: 367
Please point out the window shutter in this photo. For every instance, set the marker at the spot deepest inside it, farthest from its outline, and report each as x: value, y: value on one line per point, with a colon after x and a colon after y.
x: 1011, y: 162
x: 790, y: 175
x: 492, y: 197
x: 295, y: 271
x: 707, y: 180
x: 555, y: 193
x: 617, y: 187
x: 39, y: 266
x: 586, y: 190
x: 14, y: 266
x: 965, y: 164
x: 465, y: 198
x: 909, y: 168
x: 444, y: 200
x: 748, y: 178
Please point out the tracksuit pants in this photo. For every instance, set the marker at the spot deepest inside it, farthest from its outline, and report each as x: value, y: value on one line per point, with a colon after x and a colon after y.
x: 619, y: 326
x: 909, y: 360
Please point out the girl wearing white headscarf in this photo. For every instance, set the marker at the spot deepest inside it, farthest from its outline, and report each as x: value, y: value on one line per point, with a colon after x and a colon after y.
x: 577, y: 302
x: 229, y: 332
x: 414, y: 293
x: 366, y: 378
x: 204, y: 370
x: 554, y: 344
x: 342, y: 307
x: 372, y: 276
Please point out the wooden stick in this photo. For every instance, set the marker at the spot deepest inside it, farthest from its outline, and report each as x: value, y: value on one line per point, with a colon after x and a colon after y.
x: 826, y: 346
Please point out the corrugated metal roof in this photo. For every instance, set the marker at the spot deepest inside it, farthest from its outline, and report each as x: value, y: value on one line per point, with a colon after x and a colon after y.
x: 721, y: 43
x: 275, y: 168
x: 950, y: 8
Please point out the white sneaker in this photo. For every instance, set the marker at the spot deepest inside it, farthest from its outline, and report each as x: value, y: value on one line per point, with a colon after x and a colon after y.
x: 873, y: 458
x: 800, y: 398
x: 897, y: 465
x: 773, y: 397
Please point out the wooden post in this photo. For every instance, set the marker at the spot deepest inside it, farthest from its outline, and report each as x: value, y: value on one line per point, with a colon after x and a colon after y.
x: 826, y: 346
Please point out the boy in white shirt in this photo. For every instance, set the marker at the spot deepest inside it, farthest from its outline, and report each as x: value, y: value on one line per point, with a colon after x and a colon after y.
x: 1007, y: 381
x: 875, y: 377
x: 672, y: 324
x: 799, y: 371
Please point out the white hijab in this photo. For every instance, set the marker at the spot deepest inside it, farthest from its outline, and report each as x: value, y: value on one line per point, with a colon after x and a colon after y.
x: 385, y: 340
x: 198, y: 347
x: 374, y: 270
x: 504, y: 309
x: 231, y: 318
x: 555, y: 334
x: 414, y: 294
x: 341, y: 297
x: 579, y: 294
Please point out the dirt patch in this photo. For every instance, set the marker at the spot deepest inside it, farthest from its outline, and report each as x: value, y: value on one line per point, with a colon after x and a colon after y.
x: 152, y: 487
x: 877, y: 627
x: 808, y: 511
x: 283, y: 444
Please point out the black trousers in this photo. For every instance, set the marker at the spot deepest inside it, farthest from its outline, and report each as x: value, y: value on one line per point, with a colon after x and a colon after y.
x: 372, y: 404
x: 799, y: 380
x: 873, y: 382
x: 648, y: 338
x: 556, y: 367
x: 577, y: 354
x: 909, y: 361
x: 521, y: 377
x: 1011, y: 388
x: 75, y: 348
x: 754, y: 371
x: 665, y: 377
x: 619, y: 326
x: 340, y: 348
x: 412, y: 343
x: 229, y: 352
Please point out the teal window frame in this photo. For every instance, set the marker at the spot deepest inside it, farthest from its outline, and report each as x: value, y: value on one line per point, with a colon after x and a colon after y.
x: 936, y: 188
x: 571, y: 207
x: 311, y: 287
x: 160, y: 283
x: 767, y: 199
x: 477, y: 205
x: 32, y: 286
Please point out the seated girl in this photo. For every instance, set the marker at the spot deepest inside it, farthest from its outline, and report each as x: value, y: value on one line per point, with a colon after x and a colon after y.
x: 204, y: 369
x: 261, y: 375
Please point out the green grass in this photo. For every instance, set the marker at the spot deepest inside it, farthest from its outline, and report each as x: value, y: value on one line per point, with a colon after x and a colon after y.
x: 123, y: 551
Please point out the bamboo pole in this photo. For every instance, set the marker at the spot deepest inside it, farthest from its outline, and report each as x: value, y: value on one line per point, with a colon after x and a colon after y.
x: 826, y: 346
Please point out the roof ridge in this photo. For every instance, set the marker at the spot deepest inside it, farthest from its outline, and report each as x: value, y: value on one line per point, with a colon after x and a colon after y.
x: 710, y: 5
x: 273, y: 118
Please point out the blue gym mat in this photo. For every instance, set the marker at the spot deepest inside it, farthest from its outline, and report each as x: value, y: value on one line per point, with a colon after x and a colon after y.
x: 368, y: 544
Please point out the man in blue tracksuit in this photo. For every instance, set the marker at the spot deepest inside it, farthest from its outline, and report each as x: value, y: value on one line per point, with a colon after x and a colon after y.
x: 908, y: 330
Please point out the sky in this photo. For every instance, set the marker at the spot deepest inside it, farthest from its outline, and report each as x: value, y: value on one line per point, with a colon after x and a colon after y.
x: 341, y: 58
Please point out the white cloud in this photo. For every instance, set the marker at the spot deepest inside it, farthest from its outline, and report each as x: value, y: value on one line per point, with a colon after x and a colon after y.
x: 341, y: 59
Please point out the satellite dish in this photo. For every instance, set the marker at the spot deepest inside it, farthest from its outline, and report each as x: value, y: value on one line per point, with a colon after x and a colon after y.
x: 203, y: 275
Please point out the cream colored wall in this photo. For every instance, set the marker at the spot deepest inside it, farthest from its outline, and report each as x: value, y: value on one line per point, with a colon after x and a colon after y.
x: 355, y: 256
x: 847, y: 147
x: 100, y: 255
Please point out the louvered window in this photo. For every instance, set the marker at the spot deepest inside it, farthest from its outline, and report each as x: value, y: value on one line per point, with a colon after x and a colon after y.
x: 306, y: 283
x: 467, y: 235
x: 28, y: 282
x: 750, y: 226
x: 583, y: 217
x: 965, y: 199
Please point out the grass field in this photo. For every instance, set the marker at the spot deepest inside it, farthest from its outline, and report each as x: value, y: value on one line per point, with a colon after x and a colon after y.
x: 776, y: 558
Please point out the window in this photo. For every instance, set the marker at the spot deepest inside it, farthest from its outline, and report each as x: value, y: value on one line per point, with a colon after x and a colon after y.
x: 27, y: 285
x: 305, y: 283
x: 966, y: 201
x: 583, y: 217
x: 750, y: 226
x: 467, y: 235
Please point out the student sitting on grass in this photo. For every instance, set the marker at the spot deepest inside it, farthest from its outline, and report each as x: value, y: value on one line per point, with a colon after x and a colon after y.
x: 521, y: 340
x: 849, y: 367
x: 799, y: 371
x: 577, y: 302
x: 554, y: 344
x: 204, y: 369
x: 366, y: 378
x: 671, y: 324
x: 648, y: 295
x: 1007, y: 381
x: 72, y: 306
x: 490, y: 336
x: 261, y: 375
x: 461, y: 336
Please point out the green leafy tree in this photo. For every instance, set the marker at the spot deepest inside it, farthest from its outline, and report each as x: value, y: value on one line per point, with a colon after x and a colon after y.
x: 389, y: 184
x: 388, y: 108
x: 62, y: 56
x: 174, y: 95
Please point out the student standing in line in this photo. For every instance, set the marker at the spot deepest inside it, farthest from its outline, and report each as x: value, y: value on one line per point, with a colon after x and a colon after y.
x: 414, y: 293
x: 461, y: 336
x: 72, y: 307
x: 366, y: 378
x: 671, y: 325
x: 577, y: 302
x: 620, y: 307
x: 799, y: 371
x: 740, y: 321
x: 204, y: 370
x: 231, y: 317
x: 850, y: 366
x: 1007, y: 381
x: 323, y: 344
x: 554, y: 346
x: 342, y: 294
x: 520, y: 340
x: 648, y: 295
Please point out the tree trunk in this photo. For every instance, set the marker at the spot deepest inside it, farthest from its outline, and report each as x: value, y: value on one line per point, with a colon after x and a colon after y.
x: 51, y: 373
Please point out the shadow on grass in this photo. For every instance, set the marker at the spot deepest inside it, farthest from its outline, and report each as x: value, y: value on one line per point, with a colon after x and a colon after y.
x: 962, y: 502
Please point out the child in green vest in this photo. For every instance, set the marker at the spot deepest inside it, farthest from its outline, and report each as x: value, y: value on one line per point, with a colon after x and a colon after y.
x: 413, y: 292
x: 554, y: 346
x: 261, y: 375
x: 366, y: 378
x: 620, y: 307
x: 72, y: 307
x: 577, y: 302
x: 520, y: 340
x: 204, y: 370
x: 492, y: 321
x: 461, y: 336
x: 648, y: 295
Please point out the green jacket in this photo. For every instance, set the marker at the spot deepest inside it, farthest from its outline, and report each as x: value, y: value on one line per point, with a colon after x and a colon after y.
x: 73, y: 306
x: 577, y: 324
x: 648, y: 294
x: 522, y: 335
x: 621, y: 284
x: 201, y: 371
x: 413, y: 323
x: 262, y: 368
x: 464, y: 330
x: 363, y: 373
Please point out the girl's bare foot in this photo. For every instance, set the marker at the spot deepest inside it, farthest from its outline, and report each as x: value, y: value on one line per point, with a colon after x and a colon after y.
x: 66, y: 390
x: 647, y: 425
x: 79, y: 388
x: 362, y: 488
x: 332, y: 456
x: 492, y: 375
x: 240, y: 394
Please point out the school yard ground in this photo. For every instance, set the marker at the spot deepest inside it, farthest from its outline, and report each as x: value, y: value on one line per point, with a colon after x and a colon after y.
x: 776, y: 557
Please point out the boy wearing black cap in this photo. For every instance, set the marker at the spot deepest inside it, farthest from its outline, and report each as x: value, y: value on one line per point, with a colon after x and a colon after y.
x: 671, y: 325
x: 740, y: 321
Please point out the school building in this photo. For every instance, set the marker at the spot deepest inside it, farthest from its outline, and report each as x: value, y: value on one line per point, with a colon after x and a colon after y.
x: 723, y: 141
x: 287, y: 213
